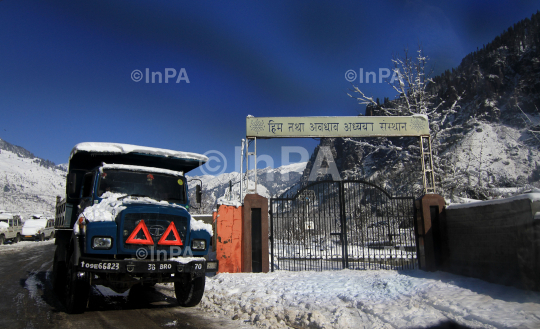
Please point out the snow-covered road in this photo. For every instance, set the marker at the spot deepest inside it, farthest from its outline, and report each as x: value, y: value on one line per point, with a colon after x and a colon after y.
x: 368, y: 299
x: 329, y: 299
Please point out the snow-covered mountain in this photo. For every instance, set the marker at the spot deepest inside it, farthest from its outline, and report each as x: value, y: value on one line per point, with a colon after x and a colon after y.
x: 28, y: 184
x: 270, y: 182
x: 485, y: 136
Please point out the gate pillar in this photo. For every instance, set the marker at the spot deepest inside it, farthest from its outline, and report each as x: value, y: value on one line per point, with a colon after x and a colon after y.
x: 429, y: 213
x: 255, y: 234
x: 228, y: 237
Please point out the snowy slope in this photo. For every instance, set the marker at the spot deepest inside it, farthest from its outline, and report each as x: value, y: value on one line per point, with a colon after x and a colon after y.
x: 490, y: 159
x: 270, y: 182
x: 26, y: 187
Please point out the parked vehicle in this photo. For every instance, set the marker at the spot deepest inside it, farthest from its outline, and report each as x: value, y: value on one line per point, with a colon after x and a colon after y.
x: 38, y: 228
x: 124, y: 223
x: 10, y: 227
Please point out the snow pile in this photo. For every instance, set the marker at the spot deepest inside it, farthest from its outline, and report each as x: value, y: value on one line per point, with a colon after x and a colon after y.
x: 106, y: 210
x: 110, y: 206
x: 4, y: 225
x: 368, y: 299
x: 199, y: 225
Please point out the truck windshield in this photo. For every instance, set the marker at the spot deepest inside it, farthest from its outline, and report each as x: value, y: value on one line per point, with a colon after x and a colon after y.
x: 156, y: 186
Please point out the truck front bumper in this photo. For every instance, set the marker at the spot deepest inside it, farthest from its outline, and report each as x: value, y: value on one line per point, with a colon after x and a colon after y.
x: 137, y: 266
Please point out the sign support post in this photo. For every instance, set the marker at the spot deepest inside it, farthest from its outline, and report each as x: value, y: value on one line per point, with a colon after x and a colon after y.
x: 254, y: 153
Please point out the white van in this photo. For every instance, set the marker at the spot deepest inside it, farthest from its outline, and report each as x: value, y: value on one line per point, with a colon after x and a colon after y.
x: 38, y: 228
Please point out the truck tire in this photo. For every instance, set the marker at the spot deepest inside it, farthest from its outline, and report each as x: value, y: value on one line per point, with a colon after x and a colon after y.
x: 2, y: 239
x: 41, y: 237
x: 52, y: 236
x: 59, y: 275
x: 189, y: 291
x: 17, y: 238
x: 77, y: 291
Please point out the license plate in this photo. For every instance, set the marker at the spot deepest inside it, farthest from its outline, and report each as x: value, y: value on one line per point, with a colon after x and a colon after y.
x: 144, y: 267
x: 105, y: 266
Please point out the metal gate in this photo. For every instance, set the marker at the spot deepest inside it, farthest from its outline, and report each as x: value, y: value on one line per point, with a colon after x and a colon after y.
x: 353, y: 224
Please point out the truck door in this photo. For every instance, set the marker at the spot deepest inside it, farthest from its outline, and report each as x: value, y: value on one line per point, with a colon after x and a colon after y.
x: 86, y: 193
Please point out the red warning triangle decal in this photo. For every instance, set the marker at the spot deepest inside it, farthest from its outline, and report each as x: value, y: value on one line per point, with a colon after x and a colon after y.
x: 176, y: 242
x: 140, y: 226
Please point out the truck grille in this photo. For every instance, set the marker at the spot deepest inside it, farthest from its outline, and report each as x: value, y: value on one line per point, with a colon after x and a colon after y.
x: 156, y: 224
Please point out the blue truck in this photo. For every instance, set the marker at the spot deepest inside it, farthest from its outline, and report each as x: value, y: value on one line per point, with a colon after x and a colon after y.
x: 125, y: 223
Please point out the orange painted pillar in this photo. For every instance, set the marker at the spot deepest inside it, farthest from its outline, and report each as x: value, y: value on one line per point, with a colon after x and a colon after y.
x: 229, y: 238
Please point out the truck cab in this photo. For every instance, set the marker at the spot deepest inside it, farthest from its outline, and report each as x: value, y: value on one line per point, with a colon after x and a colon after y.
x: 125, y: 223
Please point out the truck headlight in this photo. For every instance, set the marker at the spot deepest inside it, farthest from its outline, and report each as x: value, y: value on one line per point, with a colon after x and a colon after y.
x: 198, y: 245
x: 102, y: 242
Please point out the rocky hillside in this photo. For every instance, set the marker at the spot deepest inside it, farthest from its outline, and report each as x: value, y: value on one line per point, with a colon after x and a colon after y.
x: 486, y: 146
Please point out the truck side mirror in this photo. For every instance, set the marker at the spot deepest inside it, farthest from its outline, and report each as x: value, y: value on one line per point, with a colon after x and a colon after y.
x: 198, y: 193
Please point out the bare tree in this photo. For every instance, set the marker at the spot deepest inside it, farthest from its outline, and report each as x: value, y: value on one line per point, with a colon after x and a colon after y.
x: 410, y: 80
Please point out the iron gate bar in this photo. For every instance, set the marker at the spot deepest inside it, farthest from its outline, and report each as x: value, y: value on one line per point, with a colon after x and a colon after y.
x: 375, y: 229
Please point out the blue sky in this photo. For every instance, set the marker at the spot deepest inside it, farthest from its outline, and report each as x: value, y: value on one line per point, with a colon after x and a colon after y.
x: 65, y: 66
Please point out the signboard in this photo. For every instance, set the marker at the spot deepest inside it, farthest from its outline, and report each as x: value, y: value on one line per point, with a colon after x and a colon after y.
x: 357, y: 126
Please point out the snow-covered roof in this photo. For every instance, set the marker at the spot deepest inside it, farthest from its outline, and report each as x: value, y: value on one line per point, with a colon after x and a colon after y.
x: 35, y: 223
x: 6, y: 216
x: 534, y: 196
x: 119, y: 148
x: 141, y: 168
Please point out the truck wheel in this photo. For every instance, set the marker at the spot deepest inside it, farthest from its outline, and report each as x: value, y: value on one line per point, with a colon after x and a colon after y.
x: 17, y: 238
x: 2, y: 239
x: 52, y: 236
x: 42, y: 237
x: 189, y: 291
x: 59, y: 275
x: 77, y: 291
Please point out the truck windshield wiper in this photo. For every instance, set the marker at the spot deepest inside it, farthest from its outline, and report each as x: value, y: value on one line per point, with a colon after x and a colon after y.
x: 135, y: 195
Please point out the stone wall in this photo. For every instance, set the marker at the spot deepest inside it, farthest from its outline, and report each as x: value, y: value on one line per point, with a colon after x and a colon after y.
x: 496, y: 241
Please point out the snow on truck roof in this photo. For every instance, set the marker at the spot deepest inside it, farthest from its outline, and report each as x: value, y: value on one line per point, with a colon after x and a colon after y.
x: 87, y: 156
x: 127, y: 148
